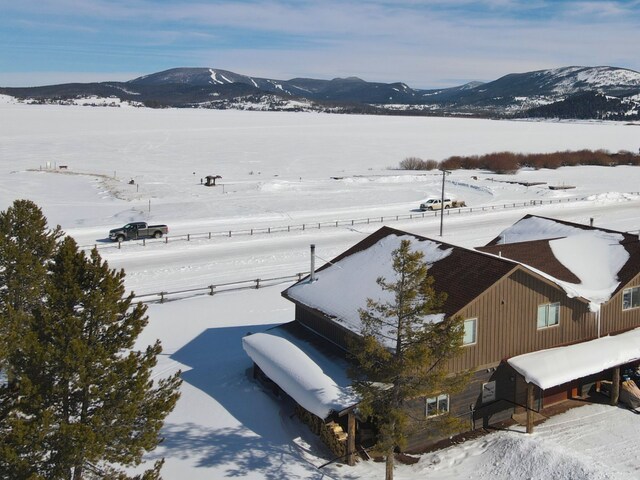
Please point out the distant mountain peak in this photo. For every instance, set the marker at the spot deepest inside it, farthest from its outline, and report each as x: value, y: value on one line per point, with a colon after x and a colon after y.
x: 566, y: 92
x: 348, y: 79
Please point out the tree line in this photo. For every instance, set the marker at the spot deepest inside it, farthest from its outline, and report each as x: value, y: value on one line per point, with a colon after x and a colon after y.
x: 509, y: 162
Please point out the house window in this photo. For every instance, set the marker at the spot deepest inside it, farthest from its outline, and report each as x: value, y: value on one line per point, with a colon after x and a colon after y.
x: 437, y: 405
x: 469, y: 337
x: 630, y: 298
x: 548, y: 315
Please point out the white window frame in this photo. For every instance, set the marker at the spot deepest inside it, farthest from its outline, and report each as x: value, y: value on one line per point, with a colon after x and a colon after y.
x: 475, y: 332
x: 436, y: 403
x: 633, y: 293
x: 545, y: 310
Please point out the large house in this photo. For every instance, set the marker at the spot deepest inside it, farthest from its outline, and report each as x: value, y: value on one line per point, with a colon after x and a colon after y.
x: 549, y: 310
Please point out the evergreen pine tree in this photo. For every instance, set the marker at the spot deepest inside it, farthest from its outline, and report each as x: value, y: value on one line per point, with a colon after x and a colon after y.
x: 26, y: 247
x: 402, y: 355
x: 87, y: 404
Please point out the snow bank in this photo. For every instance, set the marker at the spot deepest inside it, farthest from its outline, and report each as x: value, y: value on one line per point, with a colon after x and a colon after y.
x: 344, y: 287
x: 297, y: 374
x: 613, y: 197
x: 555, y: 366
x: 505, y: 455
x: 7, y: 99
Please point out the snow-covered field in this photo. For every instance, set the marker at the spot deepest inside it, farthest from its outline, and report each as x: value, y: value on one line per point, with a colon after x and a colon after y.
x: 283, y: 169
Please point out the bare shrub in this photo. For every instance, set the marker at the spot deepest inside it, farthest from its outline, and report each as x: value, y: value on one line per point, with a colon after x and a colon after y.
x: 416, y: 163
x: 431, y: 164
x: 412, y: 163
x: 509, y: 162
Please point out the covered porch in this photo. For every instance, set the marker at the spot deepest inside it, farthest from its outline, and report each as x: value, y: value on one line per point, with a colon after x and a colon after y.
x: 559, y: 370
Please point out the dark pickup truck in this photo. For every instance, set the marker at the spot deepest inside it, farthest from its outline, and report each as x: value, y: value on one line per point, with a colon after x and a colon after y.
x: 135, y: 230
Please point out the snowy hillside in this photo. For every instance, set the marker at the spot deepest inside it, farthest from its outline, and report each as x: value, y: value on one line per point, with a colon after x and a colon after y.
x: 605, y: 79
x: 569, y: 92
x: 284, y: 169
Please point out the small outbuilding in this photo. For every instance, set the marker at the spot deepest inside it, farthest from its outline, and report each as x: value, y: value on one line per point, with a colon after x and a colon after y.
x: 210, y: 180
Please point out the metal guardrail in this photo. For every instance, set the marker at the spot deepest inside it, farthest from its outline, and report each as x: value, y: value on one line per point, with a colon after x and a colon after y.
x: 334, y: 223
x: 164, y: 296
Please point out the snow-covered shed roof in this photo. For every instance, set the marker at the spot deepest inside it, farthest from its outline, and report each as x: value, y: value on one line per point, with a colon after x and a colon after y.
x: 343, y: 285
x: 588, y: 262
x: 555, y: 366
x: 313, y: 378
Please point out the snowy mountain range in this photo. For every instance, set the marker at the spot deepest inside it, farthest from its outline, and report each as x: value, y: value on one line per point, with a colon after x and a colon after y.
x: 569, y: 92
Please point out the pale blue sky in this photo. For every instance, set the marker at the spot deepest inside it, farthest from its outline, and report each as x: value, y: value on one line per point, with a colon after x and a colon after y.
x: 424, y: 43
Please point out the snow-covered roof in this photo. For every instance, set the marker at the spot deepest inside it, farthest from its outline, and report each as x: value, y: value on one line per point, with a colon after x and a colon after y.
x: 301, y: 377
x: 595, y: 259
x: 592, y: 256
x: 532, y: 227
x: 342, y: 288
x: 555, y: 366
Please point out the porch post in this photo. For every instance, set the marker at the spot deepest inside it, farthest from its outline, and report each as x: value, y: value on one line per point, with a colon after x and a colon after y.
x: 530, y: 401
x: 351, y: 439
x: 615, y: 386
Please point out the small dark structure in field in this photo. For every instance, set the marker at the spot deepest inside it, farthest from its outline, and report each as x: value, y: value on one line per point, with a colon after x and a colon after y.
x: 210, y: 180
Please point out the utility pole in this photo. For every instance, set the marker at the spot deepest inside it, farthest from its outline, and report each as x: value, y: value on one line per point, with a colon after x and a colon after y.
x: 444, y: 173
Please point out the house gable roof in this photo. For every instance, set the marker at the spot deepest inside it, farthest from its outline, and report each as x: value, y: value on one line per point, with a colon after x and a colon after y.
x: 537, y: 254
x: 535, y: 227
x: 346, y: 282
x: 544, y: 244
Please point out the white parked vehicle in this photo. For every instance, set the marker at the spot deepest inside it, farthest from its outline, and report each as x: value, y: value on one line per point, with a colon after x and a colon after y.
x: 435, y: 204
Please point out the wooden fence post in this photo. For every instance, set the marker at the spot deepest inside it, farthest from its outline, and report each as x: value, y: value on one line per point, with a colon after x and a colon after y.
x: 351, y: 439
x: 615, y: 386
x: 530, y: 399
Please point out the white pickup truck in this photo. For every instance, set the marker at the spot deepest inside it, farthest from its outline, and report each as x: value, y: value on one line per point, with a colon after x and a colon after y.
x: 437, y: 204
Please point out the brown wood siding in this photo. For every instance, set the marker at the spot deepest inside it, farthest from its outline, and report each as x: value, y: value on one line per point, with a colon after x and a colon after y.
x: 467, y: 407
x: 613, y: 319
x: 507, y: 321
x: 324, y: 327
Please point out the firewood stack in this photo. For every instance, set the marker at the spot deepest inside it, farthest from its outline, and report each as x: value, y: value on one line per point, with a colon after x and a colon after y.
x: 331, y: 433
x: 312, y: 421
x: 334, y: 437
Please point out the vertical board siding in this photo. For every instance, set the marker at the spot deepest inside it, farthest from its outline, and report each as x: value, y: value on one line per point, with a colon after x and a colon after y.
x: 324, y: 327
x: 507, y: 321
x: 615, y: 320
x: 466, y: 407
